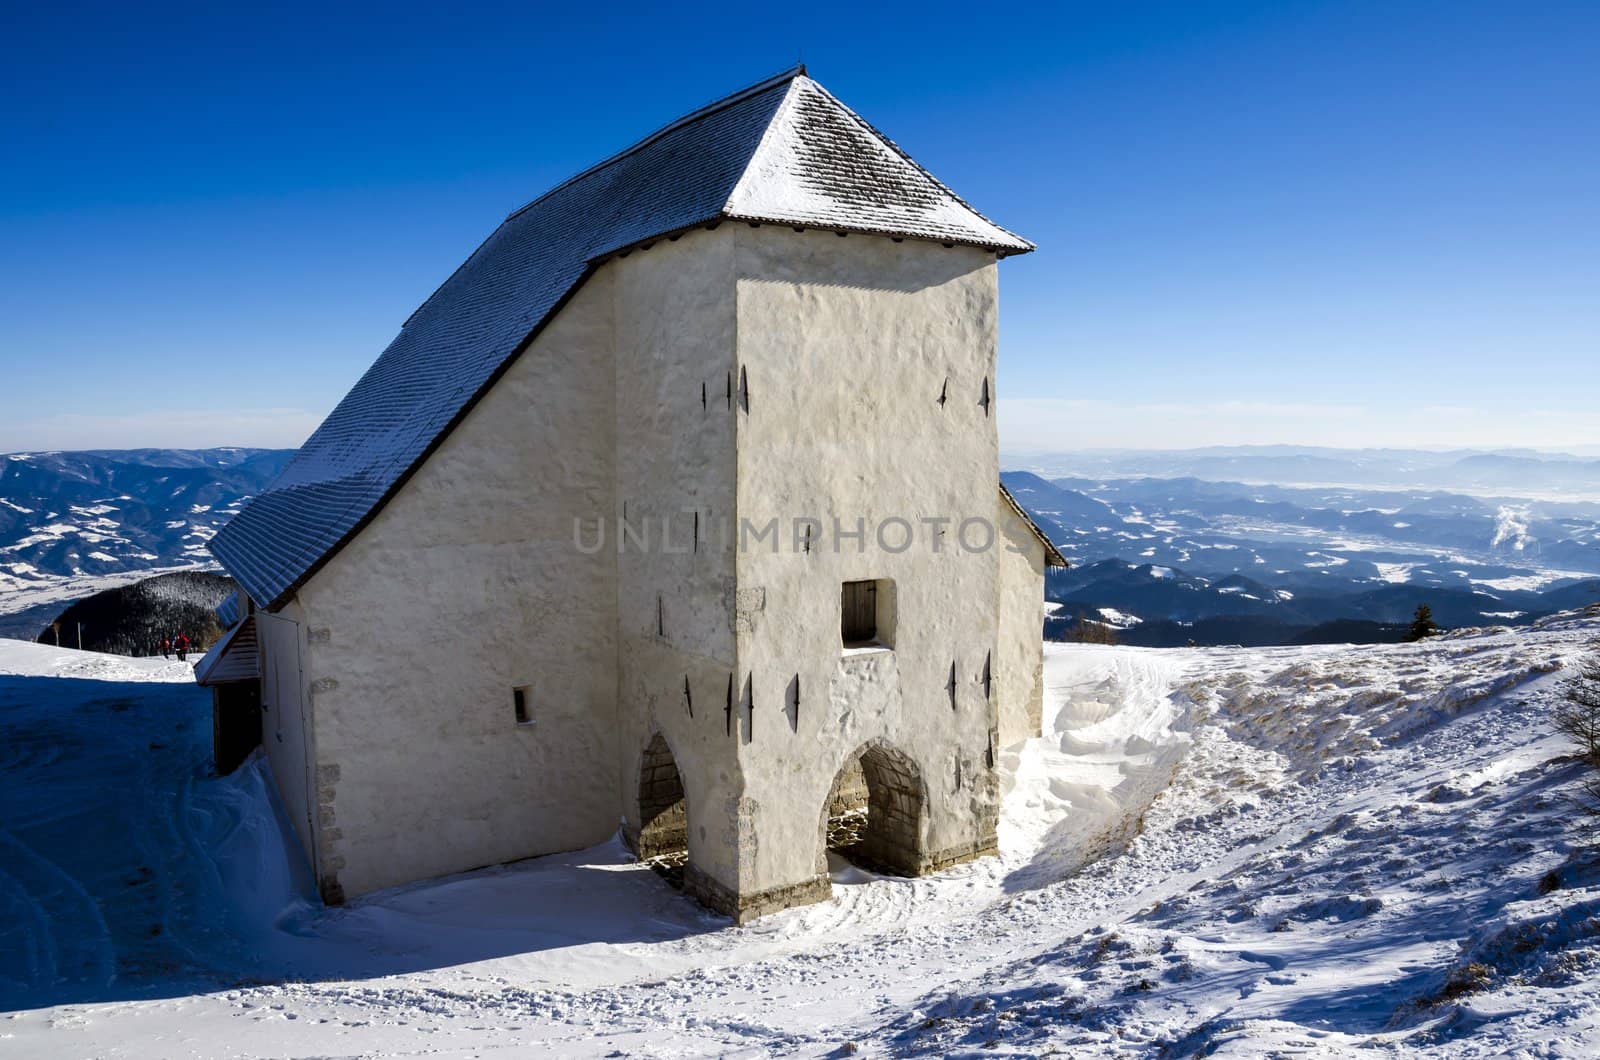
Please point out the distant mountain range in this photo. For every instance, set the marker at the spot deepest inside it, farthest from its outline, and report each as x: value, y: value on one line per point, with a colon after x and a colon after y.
x: 101, y: 512
x: 1170, y: 560
x: 73, y: 523
x: 1165, y: 554
x: 1516, y: 471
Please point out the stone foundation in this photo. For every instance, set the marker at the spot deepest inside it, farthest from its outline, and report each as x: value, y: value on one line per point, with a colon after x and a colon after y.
x: 331, y: 891
x: 955, y: 855
x: 667, y: 833
x: 747, y: 907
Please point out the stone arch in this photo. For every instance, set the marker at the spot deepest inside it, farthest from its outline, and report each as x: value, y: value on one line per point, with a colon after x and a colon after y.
x: 661, y: 836
x: 876, y: 812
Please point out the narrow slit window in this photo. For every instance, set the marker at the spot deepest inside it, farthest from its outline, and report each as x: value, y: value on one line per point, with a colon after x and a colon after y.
x: 519, y: 704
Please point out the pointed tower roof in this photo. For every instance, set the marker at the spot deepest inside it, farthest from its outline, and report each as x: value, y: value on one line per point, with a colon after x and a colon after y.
x: 784, y: 151
x: 821, y: 164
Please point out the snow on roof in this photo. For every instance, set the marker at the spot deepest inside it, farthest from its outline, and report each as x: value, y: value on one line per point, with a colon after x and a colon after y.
x: 784, y: 150
x: 822, y: 163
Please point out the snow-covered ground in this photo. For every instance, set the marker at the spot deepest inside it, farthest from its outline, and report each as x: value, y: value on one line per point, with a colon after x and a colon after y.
x: 1325, y: 850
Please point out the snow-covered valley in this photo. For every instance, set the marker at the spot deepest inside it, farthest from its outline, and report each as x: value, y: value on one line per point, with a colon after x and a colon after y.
x: 1218, y: 563
x: 74, y: 523
x: 1318, y: 850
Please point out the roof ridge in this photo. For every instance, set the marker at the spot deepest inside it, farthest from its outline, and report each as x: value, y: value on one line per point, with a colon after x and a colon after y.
x: 817, y: 165
x: 905, y: 155
x: 798, y: 70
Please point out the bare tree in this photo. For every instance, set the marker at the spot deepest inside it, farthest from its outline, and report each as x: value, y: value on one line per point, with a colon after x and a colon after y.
x: 1588, y: 800
x: 1577, y: 713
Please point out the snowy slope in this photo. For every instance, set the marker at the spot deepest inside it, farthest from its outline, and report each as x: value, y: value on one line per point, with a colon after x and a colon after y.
x: 19, y: 659
x: 1247, y: 852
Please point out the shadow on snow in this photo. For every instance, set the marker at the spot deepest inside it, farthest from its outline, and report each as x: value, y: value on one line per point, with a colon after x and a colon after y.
x: 127, y: 871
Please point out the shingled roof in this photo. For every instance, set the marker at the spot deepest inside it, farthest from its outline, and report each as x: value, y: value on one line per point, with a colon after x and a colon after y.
x: 784, y: 151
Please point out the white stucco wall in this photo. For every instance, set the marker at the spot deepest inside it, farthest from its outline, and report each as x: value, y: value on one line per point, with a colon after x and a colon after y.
x: 847, y: 344
x: 1019, y: 660
x: 674, y: 315
x: 467, y: 584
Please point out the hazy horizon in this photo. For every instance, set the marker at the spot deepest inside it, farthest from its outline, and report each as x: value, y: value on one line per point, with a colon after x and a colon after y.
x: 1026, y: 425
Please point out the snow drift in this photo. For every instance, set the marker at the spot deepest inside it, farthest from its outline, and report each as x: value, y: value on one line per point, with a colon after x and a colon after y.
x: 1249, y: 851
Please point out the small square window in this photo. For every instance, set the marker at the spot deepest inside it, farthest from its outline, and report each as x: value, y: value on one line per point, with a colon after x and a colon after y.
x: 866, y: 613
x: 519, y: 702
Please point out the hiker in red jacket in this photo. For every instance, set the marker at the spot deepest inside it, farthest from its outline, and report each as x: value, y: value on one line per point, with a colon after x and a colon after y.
x: 182, y: 644
x: 166, y: 646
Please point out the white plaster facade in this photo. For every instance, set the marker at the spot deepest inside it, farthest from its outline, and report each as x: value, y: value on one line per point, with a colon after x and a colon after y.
x: 635, y: 532
x: 738, y: 378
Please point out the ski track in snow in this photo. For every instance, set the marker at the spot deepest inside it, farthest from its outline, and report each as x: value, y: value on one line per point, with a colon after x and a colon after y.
x: 1324, y: 850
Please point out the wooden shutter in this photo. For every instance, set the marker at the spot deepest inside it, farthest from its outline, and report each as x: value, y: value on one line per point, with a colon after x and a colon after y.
x: 859, y: 620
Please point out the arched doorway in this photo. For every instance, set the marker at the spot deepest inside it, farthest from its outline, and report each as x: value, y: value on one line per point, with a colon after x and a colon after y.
x: 662, y: 841
x: 875, y: 811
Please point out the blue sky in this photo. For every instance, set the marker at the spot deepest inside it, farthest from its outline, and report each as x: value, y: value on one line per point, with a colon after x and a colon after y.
x: 1346, y: 224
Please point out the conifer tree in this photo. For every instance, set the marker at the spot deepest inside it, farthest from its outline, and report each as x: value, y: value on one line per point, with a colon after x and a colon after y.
x: 1422, y: 624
